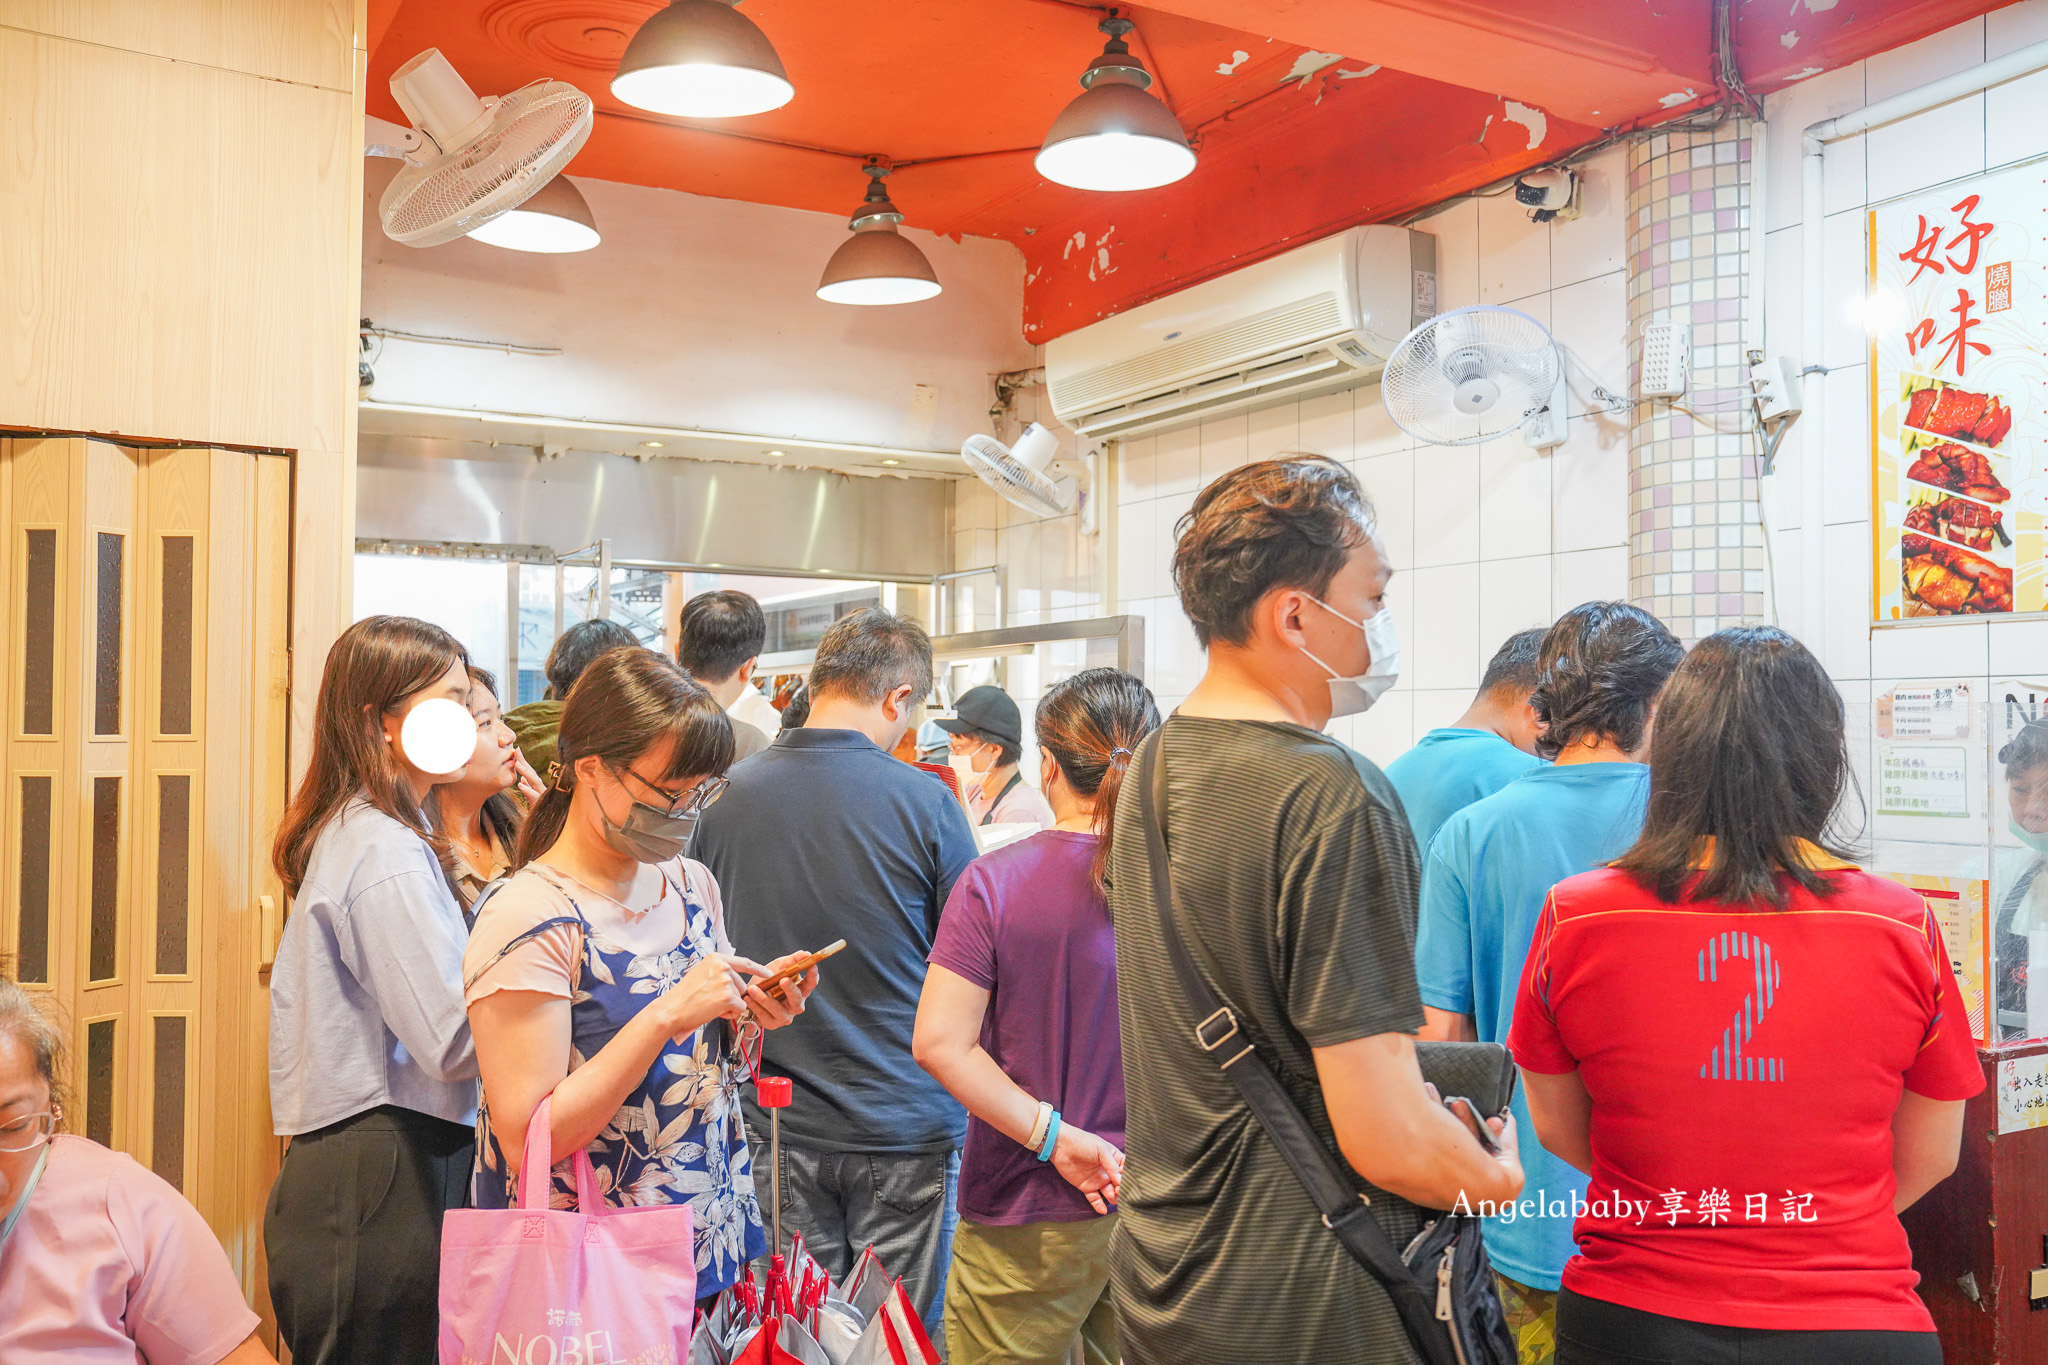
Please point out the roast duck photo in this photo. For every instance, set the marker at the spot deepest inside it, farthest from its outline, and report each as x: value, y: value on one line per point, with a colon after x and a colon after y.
x: 1950, y: 581
x: 1957, y: 469
x: 1958, y: 521
x: 1943, y: 410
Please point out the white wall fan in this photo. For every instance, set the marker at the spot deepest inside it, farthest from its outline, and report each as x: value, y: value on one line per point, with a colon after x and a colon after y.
x: 1020, y: 473
x: 1472, y: 374
x: 469, y: 160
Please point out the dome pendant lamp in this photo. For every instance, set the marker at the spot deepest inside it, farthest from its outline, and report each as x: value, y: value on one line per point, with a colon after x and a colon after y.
x: 877, y: 265
x: 1116, y: 135
x: 702, y: 59
x: 554, y: 221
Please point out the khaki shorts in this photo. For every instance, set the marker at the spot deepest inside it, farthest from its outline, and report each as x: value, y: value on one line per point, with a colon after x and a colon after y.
x: 1021, y: 1295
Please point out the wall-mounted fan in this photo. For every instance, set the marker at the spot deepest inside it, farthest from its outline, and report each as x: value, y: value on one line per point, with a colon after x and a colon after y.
x: 468, y: 160
x: 1472, y: 374
x: 1018, y: 472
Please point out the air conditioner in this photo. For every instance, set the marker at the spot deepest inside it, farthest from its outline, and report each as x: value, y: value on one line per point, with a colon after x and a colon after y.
x: 1321, y: 317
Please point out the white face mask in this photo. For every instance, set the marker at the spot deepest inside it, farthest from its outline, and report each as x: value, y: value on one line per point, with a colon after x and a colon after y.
x: 1349, y: 696
x: 963, y: 768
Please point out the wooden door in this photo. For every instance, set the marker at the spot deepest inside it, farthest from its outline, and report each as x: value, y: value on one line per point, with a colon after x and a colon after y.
x: 144, y: 698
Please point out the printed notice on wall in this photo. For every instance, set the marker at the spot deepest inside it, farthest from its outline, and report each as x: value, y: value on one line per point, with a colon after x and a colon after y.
x: 1931, y: 711
x: 1960, y: 906
x: 2023, y: 1093
x: 1957, y: 315
x: 1923, y: 779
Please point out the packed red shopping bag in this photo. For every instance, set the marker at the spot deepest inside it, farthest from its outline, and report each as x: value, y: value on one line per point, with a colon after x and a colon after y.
x: 595, y: 1284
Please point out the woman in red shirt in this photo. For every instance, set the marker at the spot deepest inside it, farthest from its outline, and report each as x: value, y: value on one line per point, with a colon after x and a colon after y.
x: 1755, y: 1050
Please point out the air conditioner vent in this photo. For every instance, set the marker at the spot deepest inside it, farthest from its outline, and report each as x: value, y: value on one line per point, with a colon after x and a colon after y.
x: 1284, y: 328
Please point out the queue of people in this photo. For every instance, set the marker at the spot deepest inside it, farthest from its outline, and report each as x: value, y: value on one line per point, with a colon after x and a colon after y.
x: 1004, y: 1085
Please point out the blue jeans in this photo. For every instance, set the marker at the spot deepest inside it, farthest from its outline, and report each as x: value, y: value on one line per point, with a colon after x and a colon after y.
x: 903, y: 1205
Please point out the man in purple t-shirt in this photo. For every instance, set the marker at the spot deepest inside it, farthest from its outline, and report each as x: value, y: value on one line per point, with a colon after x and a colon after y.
x: 1019, y: 1022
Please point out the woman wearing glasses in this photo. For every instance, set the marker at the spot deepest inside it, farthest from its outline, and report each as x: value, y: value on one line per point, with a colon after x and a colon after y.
x: 596, y: 971
x: 100, y: 1261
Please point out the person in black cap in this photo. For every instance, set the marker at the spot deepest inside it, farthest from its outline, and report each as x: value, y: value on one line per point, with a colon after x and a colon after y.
x: 988, y: 739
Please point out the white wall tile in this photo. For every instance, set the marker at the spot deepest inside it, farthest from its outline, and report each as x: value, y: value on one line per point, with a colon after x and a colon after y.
x: 1779, y: 296
x: 1389, y: 480
x: 1587, y: 576
x: 1180, y: 660
x: 1959, y: 647
x: 1590, y: 320
x: 1514, y: 500
x: 1373, y: 429
x: 1844, y: 175
x: 1225, y: 444
x: 1177, y: 461
x: 1456, y: 230
x: 1785, y: 576
x: 1847, y: 555
x: 1135, y: 477
x: 2013, y: 127
x: 1847, y: 441
x: 1790, y: 110
x: 1514, y: 594
x: 1443, y: 626
x: 2014, y: 27
x: 1274, y: 431
x: 2018, y: 647
x: 1594, y: 243
x: 1383, y: 733
x: 1327, y: 422
x: 1955, y: 48
x: 1514, y: 253
x: 1137, y: 553
x: 1167, y: 513
x: 1589, y: 485
x: 1437, y: 707
x: 1845, y: 268
x: 1446, y: 505
x: 1927, y: 149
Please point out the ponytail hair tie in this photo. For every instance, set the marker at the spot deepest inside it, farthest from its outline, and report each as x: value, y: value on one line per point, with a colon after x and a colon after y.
x: 1119, y: 751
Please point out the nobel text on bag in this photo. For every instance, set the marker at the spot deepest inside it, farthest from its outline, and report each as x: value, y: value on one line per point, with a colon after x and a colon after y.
x: 538, y: 1286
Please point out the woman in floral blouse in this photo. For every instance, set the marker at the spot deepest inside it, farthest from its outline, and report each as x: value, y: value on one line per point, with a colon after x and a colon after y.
x: 599, y: 972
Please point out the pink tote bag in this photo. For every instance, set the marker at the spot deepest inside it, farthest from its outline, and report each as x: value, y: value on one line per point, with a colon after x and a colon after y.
x: 532, y: 1286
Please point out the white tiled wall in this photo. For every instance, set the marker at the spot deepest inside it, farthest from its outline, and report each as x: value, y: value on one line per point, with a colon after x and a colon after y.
x: 1978, y: 133
x: 1486, y: 540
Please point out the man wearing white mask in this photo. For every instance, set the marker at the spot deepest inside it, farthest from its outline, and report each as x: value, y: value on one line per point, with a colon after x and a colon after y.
x: 1294, y: 876
x: 987, y: 734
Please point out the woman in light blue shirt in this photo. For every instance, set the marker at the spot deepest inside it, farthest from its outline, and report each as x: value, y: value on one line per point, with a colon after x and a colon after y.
x: 372, y: 1072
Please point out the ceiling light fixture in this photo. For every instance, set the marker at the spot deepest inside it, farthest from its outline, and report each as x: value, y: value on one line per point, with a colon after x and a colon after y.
x: 553, y: 222
x: 877, y: 265
x: 1115, y: 135
x: 702, y: 59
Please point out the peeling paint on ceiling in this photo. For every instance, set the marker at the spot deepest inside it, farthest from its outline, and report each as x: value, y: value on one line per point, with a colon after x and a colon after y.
x: 1534, y: 120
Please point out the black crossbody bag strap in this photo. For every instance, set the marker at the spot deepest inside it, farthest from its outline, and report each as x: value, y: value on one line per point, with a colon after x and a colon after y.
x: 1344, y: 1210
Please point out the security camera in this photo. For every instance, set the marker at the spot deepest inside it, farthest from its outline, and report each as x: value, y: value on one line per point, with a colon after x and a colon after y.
x: 1549, y: 193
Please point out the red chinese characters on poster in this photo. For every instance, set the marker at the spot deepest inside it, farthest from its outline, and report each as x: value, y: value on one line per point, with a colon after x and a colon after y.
x: 1957, y: 315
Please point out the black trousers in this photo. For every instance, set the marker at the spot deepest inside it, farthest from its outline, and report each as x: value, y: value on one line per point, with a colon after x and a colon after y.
x: 1595, y: 1332
x: 353, y: 1233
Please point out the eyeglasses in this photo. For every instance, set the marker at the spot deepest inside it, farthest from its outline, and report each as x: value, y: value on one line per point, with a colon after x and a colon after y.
x: 678, y: 803
x: 27, y: 1134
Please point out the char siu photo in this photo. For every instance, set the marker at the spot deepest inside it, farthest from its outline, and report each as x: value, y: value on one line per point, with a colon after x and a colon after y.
x: 1956, y: 469
x: 1944, y: 410
x: 1958, y: 521
x: 1947, y: 580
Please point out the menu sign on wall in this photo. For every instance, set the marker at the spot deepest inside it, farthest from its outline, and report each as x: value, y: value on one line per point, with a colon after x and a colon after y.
x: 1958, y: 319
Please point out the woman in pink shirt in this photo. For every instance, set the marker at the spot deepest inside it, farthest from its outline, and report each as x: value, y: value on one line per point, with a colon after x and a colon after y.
x: 101, y: 1262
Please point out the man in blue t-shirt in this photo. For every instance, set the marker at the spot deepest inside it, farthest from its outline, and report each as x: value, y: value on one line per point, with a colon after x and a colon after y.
x: 823, y: 836
x: 1489, y: 746
x: 1489, y: 872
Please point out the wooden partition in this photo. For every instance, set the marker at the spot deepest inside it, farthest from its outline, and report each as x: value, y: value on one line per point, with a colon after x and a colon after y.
x: 145, y: 697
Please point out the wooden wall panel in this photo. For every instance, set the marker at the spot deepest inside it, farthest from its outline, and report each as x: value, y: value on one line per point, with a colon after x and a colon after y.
x: 310, y: 42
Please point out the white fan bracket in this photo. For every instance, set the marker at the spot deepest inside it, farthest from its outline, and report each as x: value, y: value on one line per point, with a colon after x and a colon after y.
x: 382, y: 137
x: 1544, y: 429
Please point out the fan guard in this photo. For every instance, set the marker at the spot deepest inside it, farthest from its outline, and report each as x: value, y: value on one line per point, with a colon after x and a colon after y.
x: 1470, y: 375
x: 533, y: 133
x: 1019, y: 474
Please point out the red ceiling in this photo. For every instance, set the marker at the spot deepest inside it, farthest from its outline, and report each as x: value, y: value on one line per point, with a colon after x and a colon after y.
x: 964, y: 93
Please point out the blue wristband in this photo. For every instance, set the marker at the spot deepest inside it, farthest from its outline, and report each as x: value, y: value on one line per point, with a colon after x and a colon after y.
x: 1052, y: 1137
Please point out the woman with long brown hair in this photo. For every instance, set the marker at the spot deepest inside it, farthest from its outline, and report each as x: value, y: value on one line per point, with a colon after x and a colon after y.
x: 476, y: 812
x: 1019, y: 1022
x: 372, y: 1074
x: 598, y: 968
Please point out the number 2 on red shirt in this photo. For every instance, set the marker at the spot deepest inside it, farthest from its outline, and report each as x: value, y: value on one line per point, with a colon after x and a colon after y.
x: 1727, y: 1059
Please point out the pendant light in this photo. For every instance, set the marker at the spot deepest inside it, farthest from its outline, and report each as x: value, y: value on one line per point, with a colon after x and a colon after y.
x: 554, y: 221
x: 877, y: 264
x: 1115, y: 135
x: 702, y: 59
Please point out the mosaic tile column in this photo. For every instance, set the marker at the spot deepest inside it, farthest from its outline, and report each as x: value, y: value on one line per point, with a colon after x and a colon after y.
x: 1696, y: 547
